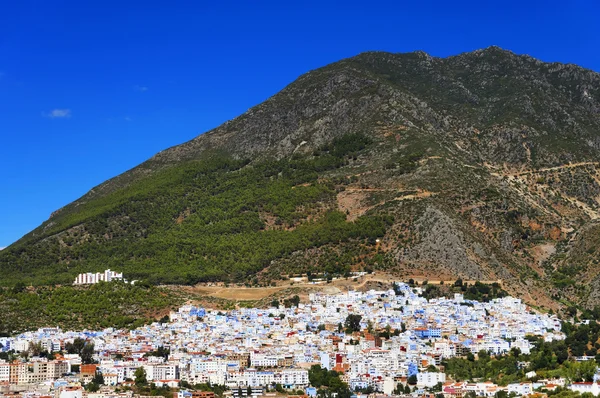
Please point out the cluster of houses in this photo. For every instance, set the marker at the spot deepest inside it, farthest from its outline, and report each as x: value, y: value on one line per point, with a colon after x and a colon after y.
x: 400, y: 336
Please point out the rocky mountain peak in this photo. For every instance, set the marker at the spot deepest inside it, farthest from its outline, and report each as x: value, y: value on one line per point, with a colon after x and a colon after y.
x: 482, y: 165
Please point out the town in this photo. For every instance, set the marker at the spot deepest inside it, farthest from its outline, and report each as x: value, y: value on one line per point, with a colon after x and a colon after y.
x: 388, y: 342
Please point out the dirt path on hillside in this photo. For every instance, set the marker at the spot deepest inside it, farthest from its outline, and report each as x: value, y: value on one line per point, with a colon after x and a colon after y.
x: 542, y: 170
x: 241, y: 293
x: 526, y: 194
x: 352, y: 200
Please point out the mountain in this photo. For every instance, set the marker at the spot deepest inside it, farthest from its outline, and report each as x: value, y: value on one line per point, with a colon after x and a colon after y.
x: 480, y: 166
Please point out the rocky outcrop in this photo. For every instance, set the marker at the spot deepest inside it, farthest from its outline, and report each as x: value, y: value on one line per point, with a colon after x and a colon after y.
x: 505, y: 146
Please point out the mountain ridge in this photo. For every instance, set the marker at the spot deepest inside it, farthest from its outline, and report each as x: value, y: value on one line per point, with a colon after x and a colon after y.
x: 166, y: 153
x: 482, y: 165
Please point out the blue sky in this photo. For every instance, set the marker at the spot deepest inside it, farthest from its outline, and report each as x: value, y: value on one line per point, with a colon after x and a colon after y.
x: 89, y: 89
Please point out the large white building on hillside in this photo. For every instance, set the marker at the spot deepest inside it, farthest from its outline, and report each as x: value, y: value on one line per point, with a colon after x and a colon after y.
x: 91, y: 278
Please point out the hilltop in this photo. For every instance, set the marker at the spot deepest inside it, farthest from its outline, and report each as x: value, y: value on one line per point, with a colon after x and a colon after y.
x: 482, y: 166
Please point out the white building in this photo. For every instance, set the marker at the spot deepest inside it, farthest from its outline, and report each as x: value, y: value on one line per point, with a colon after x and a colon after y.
x: 71, y: 392
x: 263, y: 361
x: 520, y: 388
x: 292, y: 377
x: 582, y: 387
x: 91, y: 278
x: 430, y: 379
x: 4, y: 371
x: 162, y: 372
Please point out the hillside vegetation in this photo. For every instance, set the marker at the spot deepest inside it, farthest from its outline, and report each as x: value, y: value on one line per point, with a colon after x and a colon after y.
x: 482, y: 166
x: 206, y: 220
x: 76, y: 308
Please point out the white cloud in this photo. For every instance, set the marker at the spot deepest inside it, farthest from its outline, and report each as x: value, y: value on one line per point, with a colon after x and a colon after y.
x: 58, y: 113
x: 140, y: 88
x: 2, y: 248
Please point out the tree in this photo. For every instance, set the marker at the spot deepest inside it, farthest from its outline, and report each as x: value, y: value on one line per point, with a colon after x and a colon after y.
x: 249, y: 391
x: 315, y: 376
x: 19, y: 287
x: 412, y: 380
x: 35, y: 349
x: 83, y: 348
x: 292, y: 301
x: 323, y: 393
x: 352, y: 323
x: 87, y: 353
x: 140, y: 376
x: 399, y: 390
x: 76, y: 346
x: 580, y: 371
x: 483, y: 355
x: 161, y: 351
x: 98, y: 378
x: 572, y: 311
x: 92, y: 387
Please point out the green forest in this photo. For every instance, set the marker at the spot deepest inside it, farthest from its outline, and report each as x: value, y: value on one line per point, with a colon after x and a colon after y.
x: 218, y: 218
x: 97, y: 306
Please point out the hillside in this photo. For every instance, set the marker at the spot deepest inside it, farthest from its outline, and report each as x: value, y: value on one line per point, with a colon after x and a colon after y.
x: 483, y: 165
